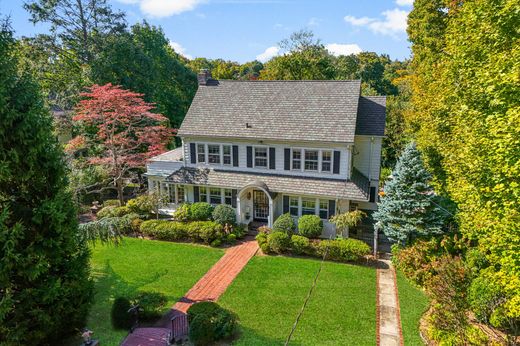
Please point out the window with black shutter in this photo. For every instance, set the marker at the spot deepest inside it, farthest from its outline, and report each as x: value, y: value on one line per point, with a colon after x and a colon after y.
x: 272, y: 158
x: 287, y: 159
x: 235, y: 155
x: 193, y: 153
x: 249, y: 151
x: 336, y: 163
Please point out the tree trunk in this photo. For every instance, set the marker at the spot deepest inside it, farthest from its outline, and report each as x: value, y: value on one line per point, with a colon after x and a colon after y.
x: 119, y: 187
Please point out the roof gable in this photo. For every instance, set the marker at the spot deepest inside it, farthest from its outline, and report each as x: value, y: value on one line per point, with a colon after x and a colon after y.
x: 275, y: 110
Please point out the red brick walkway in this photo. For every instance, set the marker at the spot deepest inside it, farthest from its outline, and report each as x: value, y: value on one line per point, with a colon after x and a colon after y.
x: 209, y: 288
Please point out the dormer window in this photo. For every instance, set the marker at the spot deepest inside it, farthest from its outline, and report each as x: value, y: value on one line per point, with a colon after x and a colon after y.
x: 214, y: 153
x: 261, y: 157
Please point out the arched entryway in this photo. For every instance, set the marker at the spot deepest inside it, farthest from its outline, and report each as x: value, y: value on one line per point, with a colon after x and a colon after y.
x: 255, y: 203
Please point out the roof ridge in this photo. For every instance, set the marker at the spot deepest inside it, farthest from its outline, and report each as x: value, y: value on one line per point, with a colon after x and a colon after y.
x: 291, y: 80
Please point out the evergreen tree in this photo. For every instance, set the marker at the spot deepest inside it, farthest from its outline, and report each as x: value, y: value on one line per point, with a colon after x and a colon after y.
x: 45, y: 288
x: 406, y: 209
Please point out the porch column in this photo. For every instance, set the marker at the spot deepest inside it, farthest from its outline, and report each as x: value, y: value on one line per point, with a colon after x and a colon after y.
x: 271, y: 212
x: 239, y: 216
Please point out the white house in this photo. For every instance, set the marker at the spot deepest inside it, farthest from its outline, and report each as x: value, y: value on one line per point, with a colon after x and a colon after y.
x: 272, y: 147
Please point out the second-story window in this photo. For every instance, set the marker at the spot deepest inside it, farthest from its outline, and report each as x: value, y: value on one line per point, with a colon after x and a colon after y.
x: 214, y: 153
x: 261, y: 157
x: 311, y: 160
x: 326, y: 161
x: 201, y: 153
x: 226, y: 154
x: 296, y: 159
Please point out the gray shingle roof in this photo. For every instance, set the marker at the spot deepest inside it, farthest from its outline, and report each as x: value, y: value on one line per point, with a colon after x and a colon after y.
x: 276, y: 110
x: 371, y: 116
x: 276, y: 183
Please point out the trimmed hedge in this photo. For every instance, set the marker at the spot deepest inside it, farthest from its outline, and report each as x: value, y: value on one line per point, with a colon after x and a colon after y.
x: 285, y: 223
x: 111, y: 211
x: 142, y: 205
x: 300, y: 245
x: 209, y: 322
x: 224, y: 214
x: 278, y: 242
x: 201, y: 211
x: 343, y: 250
x: 310, y: 226
x: 205, y: 231
x: 182, y: 213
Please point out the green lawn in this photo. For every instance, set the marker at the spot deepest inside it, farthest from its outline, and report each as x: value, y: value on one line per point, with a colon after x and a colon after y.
x: 268, y: 294
x: 413, y: 303
x: 143, y: 265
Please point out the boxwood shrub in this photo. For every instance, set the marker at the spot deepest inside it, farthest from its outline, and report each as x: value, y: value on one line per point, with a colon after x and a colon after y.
x: 201, y: 211
x: 224, y: 214
x: 198, y: 231
x: 310, y: 226
x: 284, y: 223
x: 209, y: 322
x: 182, y: 213
x: 343, y: 250
x: 300, y: 245
x: 278, y: 242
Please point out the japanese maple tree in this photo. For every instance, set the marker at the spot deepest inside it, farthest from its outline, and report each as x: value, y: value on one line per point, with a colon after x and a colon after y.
x: 121, y: 132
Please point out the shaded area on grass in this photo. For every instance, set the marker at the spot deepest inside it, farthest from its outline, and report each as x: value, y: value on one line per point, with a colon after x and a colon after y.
x: 413, y: 303
x: 143, y: 265
x: 268, y: 294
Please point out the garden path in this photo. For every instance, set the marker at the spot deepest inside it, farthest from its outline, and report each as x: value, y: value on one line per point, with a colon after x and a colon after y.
x: 389, y: 331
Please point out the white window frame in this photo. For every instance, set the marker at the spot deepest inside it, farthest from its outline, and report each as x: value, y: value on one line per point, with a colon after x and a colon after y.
x: 323, y: 161
x: 223, y: 146
x: 227, y: 193
x: 205, y: 152
x: 297, y: 199
x: 298, y: 150
x: 206, y: 193
x: 319, y: 161
x: 266, y: 157
x: 217, y: 155
x: 320, y: 209
x: 210, y: 195
x: 317, y: 207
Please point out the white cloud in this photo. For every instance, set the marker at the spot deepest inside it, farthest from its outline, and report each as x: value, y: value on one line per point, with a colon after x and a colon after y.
x: 404, y: 2
x: 268, y: 54
x: 393, y: 23
x: 358, y: 21
x: 164, y: 8
x: 343, y: 49
x: 180, y: 49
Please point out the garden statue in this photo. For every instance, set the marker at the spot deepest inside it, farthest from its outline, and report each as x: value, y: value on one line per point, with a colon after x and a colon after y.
x: 87, y: 336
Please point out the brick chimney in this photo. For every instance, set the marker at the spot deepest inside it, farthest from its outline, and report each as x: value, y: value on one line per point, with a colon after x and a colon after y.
x: 204, y: 76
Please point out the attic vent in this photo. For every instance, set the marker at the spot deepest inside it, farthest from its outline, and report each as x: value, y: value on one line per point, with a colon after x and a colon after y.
x: 248, y: 126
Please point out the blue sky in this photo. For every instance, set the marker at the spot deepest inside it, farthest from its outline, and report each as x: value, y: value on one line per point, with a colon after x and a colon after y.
x: 242, y: 30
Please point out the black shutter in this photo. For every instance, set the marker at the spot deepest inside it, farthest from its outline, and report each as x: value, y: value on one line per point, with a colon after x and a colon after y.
x: 337, y: 157
x: 249, y: 157
x: 193, y: 153
x: 372, y: 194
x: 287, y: 159
x: 272, y: 158
x: 285, y: 204
x: 332, y: 207
x: 235, y: 155
x: 234, y: 198
x: 196, y: 194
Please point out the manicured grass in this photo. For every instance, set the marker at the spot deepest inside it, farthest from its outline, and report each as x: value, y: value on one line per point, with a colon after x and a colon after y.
x: 413, y: 303
x: 268, y: 294
x: 143, y: 265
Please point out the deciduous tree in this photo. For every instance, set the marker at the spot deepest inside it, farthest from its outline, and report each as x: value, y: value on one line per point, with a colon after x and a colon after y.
x: 121, y: 131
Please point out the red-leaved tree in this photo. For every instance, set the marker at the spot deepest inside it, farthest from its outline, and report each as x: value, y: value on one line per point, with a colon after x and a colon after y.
x: 121, y: 132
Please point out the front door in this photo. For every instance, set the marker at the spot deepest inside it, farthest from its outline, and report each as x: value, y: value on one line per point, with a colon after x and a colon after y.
x: 260, y: 205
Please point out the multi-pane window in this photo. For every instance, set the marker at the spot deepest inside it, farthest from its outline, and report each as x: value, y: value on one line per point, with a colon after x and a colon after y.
x: 228, y: 197
x: 324, y: 209
x: 201, y: 153
x: 203, y: 194
x: 260, y: 157
x: 180, y: 193
x: 214, y: 153
x: 171, y: 193
x: 226, y: 154
x: 293, y: 206
x: 308, y: 206
x: 214, y: 195
x: 296, y: 159
x: 311, y: 160
x: 326, y: 160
